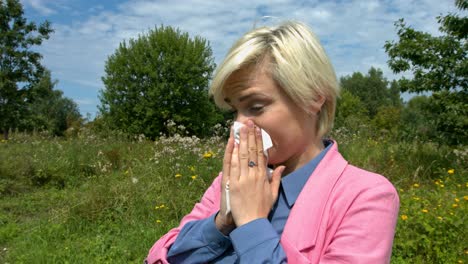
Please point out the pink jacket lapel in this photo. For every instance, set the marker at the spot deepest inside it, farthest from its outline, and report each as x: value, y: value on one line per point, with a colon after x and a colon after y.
x: 305, y: 219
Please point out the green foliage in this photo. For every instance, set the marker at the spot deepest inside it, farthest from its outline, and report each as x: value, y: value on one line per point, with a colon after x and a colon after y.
x: 18, y: 62
x: 160, y: 76
x: 417, y: 119
x: 350, y: 111
x: 387, y: 118
x: 48, y: 110
x: 372, y: 89
x: 91, y: 199
x: 439, y: 65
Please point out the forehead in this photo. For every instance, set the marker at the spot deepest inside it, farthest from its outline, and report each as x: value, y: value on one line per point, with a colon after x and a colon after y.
x: 246, y: 81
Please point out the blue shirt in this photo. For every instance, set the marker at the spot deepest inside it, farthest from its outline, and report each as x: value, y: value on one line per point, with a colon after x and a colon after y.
x: 201, y: 242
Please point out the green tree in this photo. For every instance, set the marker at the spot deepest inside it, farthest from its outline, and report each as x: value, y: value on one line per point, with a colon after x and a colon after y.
x: 47, y: 109
x: 161, y: 76
x: 373, y: 90
x: 350, y: 112
x: 439, y: 65
x: 19, y: 64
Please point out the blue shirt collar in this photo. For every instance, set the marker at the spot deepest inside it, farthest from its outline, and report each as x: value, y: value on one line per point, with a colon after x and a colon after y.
x: 293, y: 183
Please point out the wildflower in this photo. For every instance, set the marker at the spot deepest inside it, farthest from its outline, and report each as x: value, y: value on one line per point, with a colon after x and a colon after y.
x: 440, y: 218
x: 208, y: 155
x: 424, y: 211
x: 465, y: 197
x: 442, y: 186
x: 415, y: 185
x: 451, y: 171
x: 158, y: 221
x: 404, y: 217
x: 194, y: 177
x: 454, y: 205
x: 134, y: 180
x: 178, y: 175
x: 457, y: 200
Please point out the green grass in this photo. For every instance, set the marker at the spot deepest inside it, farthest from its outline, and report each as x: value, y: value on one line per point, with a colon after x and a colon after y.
x: 107, y: 199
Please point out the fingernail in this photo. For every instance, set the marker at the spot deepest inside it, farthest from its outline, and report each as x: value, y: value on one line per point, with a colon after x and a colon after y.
x: 250, y: 123
x: 259, y: 132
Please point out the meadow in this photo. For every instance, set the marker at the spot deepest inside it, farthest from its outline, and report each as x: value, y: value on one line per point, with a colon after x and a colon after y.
x: 106, y: 198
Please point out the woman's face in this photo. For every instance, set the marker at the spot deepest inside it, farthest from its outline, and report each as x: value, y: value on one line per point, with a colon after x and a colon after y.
x: 254, y: 95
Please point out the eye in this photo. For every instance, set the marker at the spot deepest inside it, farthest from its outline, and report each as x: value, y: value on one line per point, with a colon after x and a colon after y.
x: 256, y: 109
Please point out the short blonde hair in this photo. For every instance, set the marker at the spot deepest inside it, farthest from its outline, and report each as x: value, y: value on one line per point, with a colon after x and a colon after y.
x: 297, y: 62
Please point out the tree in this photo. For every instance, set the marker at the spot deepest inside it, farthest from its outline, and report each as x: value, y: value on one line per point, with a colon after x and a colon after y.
x: 161, y: 76
x: 19, y: 64
x: 351, y: 113
x: 47, y: 109
x: 439, y: 65
x: 372, y: 89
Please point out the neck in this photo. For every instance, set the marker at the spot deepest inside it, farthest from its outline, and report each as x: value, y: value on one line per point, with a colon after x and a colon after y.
x: 310, y: 152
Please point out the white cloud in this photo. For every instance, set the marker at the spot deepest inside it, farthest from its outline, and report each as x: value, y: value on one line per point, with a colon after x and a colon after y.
x: 39, y: 6
x: 353, y: 32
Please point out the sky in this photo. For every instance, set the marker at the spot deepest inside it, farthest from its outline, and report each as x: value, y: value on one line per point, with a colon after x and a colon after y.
x: 87, y: 32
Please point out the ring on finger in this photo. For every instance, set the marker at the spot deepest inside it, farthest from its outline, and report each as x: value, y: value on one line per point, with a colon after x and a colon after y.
x: 252, y: 164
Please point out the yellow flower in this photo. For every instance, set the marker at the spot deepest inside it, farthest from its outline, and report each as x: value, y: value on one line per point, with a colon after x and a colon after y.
x: 194, y: 177
x: 208, y: 155
x: 156, y: 207
x: 440, y: 218
x: 404, y: 217
x: 158, y: 221
x: 451, y: 171
x: 178, y: 175
x: 192, y: 168
x: 460, y: 261
x: 454, y: 205
x: 424, y: 210
x: 465, y: 197
x: 126, y: 172
x: 162, y: 206
x: 416, y: 198
x: 401, y: 190
x: 457, y: 200
x: 415, y: 185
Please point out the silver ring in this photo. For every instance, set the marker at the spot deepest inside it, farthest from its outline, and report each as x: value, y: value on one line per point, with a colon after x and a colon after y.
x: 252, y: 164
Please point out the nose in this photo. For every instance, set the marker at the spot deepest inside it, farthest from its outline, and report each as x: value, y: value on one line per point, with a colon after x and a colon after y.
x: 241, y: 118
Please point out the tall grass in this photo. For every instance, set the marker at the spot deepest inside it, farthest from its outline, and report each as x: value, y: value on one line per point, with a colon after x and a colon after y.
x: 92, y: 199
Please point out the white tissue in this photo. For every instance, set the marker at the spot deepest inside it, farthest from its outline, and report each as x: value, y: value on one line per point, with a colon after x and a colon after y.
x: 267, y: 143
x: 265, y: 137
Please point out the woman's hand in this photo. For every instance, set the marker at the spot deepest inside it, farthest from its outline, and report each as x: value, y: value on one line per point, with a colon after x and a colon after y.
x: 224, y: 222
x: 252, y: 194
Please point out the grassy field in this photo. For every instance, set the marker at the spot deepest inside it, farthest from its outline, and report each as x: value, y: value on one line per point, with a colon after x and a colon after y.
x: 103, y: 199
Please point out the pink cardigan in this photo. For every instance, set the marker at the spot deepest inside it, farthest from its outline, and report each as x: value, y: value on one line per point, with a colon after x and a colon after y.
x: 343, y: 215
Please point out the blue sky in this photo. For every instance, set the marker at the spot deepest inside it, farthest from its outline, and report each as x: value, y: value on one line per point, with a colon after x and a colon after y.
x: 87, y: 32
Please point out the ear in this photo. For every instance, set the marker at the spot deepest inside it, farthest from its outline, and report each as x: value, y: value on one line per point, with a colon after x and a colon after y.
x: 316, y: 105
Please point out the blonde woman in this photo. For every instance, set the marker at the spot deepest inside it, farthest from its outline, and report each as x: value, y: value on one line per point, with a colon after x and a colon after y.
x: 314, y: 207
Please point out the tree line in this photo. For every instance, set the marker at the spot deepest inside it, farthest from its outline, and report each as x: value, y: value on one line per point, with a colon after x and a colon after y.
x: 164, y: 75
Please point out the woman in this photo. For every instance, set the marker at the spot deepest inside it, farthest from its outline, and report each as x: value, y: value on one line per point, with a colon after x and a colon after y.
x: 316, y: 208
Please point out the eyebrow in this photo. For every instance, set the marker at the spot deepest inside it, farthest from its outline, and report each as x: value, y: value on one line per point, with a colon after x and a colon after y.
x: 246, y: 97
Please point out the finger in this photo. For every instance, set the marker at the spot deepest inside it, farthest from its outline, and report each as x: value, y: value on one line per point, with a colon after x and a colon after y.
x: 234, y: 168
x: 252, y: 146
x: 261, y: 159
x: 275, y: 182
x: 227, y: 158
x: 243, y: 153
